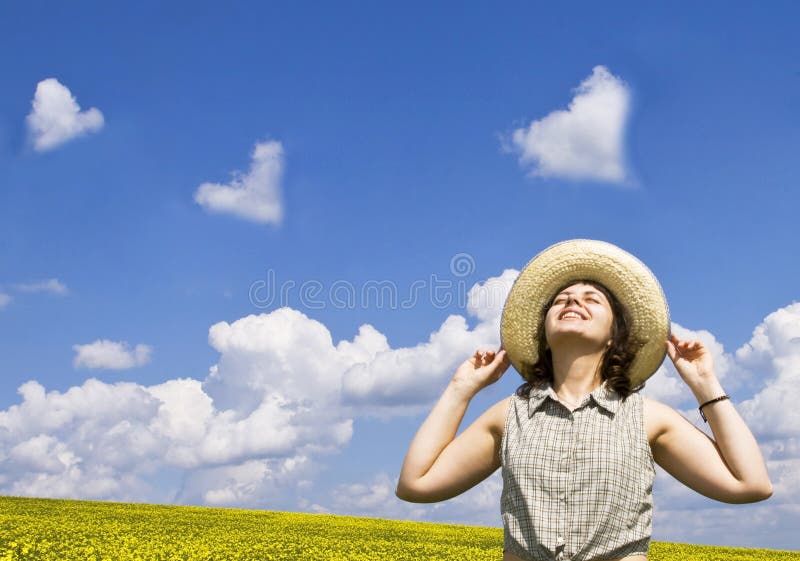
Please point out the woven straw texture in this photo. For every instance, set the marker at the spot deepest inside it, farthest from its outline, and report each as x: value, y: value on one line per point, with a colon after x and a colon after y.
x: 623, y: 274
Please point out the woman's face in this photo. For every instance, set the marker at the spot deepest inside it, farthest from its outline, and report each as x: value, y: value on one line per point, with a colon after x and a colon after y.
x: 580, y: 311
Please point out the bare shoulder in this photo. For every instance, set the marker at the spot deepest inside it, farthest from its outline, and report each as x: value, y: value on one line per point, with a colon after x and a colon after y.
x: 657, y: 417
x: 495, y: 416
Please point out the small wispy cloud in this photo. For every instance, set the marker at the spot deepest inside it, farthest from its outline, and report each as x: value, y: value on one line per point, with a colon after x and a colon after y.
x: 585, y: 141
x: 4, y: 300
x: 56, y: 116
x: 254, y: 196
x: 51, y: 286
x: 110, y: 355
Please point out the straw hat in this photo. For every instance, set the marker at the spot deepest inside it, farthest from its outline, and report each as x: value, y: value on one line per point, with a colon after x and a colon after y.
x: 634, y: 285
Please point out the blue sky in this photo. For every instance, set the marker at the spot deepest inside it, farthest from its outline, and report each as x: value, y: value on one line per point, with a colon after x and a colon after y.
x: 360, y: 143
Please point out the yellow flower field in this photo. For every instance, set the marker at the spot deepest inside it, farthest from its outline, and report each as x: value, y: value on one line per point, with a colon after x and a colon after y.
x: 59, y: 530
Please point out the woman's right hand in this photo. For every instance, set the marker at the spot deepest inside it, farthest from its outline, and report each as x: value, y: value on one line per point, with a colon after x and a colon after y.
x: 482, y: 369
x: 439, y: 465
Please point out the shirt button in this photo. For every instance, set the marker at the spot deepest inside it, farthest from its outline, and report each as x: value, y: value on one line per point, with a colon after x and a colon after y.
x: 560, y: 540
x: 563, y: 497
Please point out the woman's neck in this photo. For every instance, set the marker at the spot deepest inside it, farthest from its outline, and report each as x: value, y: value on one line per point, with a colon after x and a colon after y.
x: 576, y: 373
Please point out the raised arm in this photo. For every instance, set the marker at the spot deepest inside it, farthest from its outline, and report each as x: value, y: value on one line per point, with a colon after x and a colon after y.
x: 728, y: 468
x: 437, y: 466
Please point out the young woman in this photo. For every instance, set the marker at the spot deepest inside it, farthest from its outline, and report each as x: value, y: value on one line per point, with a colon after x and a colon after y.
x: 577, y: 442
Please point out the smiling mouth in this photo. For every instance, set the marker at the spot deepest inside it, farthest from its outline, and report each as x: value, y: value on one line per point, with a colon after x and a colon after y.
x: 570, y: 316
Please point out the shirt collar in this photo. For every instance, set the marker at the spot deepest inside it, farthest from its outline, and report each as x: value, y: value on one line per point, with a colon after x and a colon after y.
x: 603, y: 395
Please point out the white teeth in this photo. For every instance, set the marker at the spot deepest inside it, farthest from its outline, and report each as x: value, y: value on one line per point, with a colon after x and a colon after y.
x: 571, y: 315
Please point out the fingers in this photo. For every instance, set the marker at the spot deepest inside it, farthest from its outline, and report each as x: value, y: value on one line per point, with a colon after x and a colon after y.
x: 682, y: 346
x: 672, y: 351
x: 481, y: 356
x: 487, y: 356
x: 499, y: 358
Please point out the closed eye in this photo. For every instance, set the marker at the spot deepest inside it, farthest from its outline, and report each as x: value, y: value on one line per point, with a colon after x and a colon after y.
x: 562, y: 300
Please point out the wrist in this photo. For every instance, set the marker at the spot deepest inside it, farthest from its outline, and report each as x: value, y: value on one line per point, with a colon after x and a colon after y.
x: 707, y: 389
x: 461, y: 391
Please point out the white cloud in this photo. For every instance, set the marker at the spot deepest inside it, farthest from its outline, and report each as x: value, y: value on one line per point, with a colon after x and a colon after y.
x: 478, y: 506
x: 763, y: 377
x: 682, y: 515
x: 88, y: 442
x: 253, y: 432
x: 111, y: 355
x: 262, y: 402
x: 56, y: 116
x: 112, y: 438
x: 773, y: 357
x: 265, y: 402
x: 761, y: 525
x: 42, y: 453
x: 53, y: 286
x: 764, y: 372
x: 411, y: 376
x: 666, y: 384
x: 405, y: 380
x: 255, y: 196
x: 485, y: 300
x: 4, y: 300
x: 586, y: 141
x: 375, y: 499
x: 253, y: 483
x: 365, y: 374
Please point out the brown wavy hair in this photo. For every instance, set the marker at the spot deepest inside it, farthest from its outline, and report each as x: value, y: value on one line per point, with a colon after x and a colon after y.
x: 616, y: 359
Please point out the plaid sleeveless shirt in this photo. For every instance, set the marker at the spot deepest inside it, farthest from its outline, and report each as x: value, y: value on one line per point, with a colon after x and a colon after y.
x: 576, y: 485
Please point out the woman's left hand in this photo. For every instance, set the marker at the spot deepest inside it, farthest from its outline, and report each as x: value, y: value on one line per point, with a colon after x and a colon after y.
x: 692, y: 359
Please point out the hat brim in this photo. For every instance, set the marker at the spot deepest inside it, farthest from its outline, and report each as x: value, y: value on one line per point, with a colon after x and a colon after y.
x: 634, y: 285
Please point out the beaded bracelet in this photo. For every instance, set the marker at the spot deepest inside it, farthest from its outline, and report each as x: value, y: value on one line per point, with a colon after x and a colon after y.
x: 720, y: 398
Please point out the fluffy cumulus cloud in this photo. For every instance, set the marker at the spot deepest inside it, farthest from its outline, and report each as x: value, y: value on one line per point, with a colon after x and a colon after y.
x: 56, y: 117
x: 374, y: 498
x: 254, y: 196
x: 110, y: 355
x: 110, y: 441
x: 251, y: 433
x: 479, y: 506
x: 90, y: 441
x: 763, y: 378
x: 667, y: 386
x: 257, y: 429
x: 584, y: 141
x: 762, y: 375
x: 250, y: 484
x: 773, y: 357
x: 406, y: 380
x: 50, y: 286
